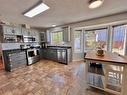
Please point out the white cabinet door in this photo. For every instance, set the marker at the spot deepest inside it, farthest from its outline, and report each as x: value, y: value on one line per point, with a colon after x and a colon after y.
x: 66, y: 34
x: 32, y: 33
x: 37, y: 36
x: 43, y: 36
x: 25, y: 32
x: 8, y: 30
x: 17, y: 30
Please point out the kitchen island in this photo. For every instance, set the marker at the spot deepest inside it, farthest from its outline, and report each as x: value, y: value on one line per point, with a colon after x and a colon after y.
x: 107, y: 72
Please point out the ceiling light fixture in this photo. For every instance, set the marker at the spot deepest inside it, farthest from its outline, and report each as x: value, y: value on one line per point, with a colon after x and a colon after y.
x: 53, y: 25
x: 41, y: 7
x: 95, y: 3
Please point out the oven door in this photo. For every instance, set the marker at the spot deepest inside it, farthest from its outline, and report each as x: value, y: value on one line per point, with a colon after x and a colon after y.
x: 33, y: 56
x: 30, y: 53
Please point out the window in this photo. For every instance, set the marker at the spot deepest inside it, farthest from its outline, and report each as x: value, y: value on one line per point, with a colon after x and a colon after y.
x: 95, y: 38
x: 77, y: 40
x: 56, y: 37
x: 119, y: 39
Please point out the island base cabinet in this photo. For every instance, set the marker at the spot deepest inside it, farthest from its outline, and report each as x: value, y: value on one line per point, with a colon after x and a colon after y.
x: 14, y: 59
x: 112, y: 70
x: 110, y: 78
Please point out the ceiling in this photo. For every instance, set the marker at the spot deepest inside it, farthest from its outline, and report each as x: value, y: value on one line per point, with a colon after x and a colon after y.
x: 60, y: 12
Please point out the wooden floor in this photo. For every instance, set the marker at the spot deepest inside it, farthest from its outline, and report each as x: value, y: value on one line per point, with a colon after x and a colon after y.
x: 47, y: 78
x: 1, y: 64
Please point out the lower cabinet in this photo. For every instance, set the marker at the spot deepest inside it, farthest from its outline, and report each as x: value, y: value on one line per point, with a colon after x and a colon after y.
x: 44, y: 54
x: 58, y: 54
x: 14, y: 59
x: 62, y: 55
x: 52, y: 54
x: 49, y: 54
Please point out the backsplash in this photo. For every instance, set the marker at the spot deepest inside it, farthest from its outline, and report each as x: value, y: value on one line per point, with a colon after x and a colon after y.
x: 9, y: 46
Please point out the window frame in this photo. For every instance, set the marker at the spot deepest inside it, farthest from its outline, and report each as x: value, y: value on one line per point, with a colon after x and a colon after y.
x: 81, y: 41
x: 52, y: 42
x: 125, y: 43
x: 94, y: 29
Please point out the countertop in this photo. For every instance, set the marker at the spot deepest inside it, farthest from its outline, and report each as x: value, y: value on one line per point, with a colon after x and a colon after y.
x: 58, y: 47
x: 108, y: 57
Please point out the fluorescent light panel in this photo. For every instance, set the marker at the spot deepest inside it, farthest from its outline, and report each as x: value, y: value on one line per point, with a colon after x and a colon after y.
x: 53, y: 25
x: 36, y: 10
x: 95, y: 4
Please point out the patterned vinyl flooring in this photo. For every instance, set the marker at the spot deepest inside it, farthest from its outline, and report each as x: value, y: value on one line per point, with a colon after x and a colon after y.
x: 47, y: 78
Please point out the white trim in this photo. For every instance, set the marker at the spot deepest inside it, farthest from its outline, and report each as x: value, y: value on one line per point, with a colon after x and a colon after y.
x: 102, y: 25
x: 81, y: 50
x: 78, y: 60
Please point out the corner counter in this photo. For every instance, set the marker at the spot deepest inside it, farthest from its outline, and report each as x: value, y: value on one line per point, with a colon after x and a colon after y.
x: 61, y: 54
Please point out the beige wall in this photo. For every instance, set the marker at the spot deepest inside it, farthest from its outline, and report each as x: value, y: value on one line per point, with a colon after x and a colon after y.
x: 102, y: 20
x: 98, y: 22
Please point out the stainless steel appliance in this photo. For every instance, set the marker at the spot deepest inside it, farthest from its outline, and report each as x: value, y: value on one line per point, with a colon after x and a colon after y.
x: 33, y: 55
x: 61, y: 55
x: 64, y: 55
x: 25, y: 46
x: 29, y: 39
x: 69, y: 55
x: 44, y: 44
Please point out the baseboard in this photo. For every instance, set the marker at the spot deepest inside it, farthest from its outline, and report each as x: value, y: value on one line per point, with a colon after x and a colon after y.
x: 78, y: 60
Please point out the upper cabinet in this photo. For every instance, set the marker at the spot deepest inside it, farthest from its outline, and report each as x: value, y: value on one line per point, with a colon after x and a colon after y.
x: 25, y: 32
x: 36, y: 35
x: 8, y: 30
x: 32, y: 32
x: 17, y: 30
x: 43, y: 37
x: 66, y: 34
x: 15, y: 34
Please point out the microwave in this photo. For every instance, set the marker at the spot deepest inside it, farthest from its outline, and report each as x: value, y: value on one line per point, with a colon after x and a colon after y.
x: 29, y: 39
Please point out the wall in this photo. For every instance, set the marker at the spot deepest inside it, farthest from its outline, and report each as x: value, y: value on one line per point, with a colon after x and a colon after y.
x: 93, y: 23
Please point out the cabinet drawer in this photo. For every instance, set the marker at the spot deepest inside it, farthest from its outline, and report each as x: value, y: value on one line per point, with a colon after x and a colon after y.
x: 16, y: 59
x: 18, y: 63
x: 14, y: 55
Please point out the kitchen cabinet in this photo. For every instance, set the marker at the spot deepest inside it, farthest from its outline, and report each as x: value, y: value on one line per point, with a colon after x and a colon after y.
x: 14, y: 59
x: 8, y: 30
x: 61, y: 54
x: 107, y: 73
x: 17, y: 30
x: 11, y: 30
x: 37, y: 36
x: 58, y: 54
x: 52, y: 54
x: 42, y: 36
x: 25, y: 32
x: 44, y: 53
x: 66, y: 34
x: 11, y: 34
x: 32, y: 32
